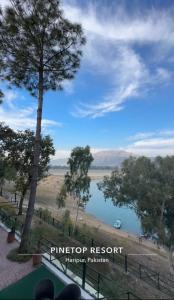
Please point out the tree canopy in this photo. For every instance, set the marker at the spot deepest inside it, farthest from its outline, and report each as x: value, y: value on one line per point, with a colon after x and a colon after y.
x: 146, y: 186
x: 77, y: 181
x: 35, y: 36
x: 39, y: 50
x: 19, y: 148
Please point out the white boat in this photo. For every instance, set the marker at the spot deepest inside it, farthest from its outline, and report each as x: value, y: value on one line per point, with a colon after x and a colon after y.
x: 117, y: 224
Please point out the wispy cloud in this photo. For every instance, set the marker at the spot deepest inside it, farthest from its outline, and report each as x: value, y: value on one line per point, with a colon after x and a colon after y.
x: 20, y: 118
x: 113, y: 42
x: 159, y: 142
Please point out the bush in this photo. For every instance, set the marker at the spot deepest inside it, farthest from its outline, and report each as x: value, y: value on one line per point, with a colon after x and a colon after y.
x: 44, y: 214
x: 10, y: 210
x: 66, y: 221
x: 13, y: 255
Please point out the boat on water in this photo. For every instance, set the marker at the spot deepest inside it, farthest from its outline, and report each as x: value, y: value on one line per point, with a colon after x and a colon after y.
x: 117, y: 224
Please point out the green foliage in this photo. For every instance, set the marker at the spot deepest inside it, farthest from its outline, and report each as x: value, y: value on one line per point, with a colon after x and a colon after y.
x: 36, y: 236
x: 9, y: 210
x: 39, y: 50
x: 7, y: 172
x: 66, y: 220
x: 10, y: 219
x: 146, y: 186
x: 77, y: 180
x: 22, y: 158
x: 35, y: 37
x: 61, y: 196
x: 13, y: 255
x: 18, y: 162
x: 19, y: 152
x: 45, y: 214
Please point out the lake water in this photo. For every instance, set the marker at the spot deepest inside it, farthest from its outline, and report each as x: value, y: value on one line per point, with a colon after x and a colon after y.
x: 108, y: 213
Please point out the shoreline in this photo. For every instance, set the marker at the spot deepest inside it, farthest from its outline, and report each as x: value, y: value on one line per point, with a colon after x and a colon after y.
x: 47, y: 191
x: 94, y: 174
x: 48, y: 184
x: 102, y: 233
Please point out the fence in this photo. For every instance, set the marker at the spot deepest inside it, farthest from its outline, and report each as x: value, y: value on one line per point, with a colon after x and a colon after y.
x: 102, y: 284
x: 89, y: 277
x: 163, y: 283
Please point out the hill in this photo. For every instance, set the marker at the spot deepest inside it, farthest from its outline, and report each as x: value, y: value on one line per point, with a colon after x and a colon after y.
x: 110, y: 158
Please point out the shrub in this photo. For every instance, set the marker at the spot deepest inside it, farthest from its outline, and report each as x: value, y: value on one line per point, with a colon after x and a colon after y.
x: 13, y: 255
x: 66, y: 221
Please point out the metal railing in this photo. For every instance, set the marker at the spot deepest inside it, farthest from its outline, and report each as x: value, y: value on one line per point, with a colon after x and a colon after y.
x: 164, y: 283
x: 106, y: 287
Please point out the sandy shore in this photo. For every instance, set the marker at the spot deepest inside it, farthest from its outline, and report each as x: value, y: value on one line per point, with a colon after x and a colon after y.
x: 46, y: 196
x: 94, y: 174
x: 147, y: 252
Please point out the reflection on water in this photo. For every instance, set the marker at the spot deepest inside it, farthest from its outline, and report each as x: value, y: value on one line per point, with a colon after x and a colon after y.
x: 108, y: 213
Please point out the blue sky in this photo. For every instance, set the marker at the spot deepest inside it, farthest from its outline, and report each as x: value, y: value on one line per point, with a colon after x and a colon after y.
x: 122, y: 96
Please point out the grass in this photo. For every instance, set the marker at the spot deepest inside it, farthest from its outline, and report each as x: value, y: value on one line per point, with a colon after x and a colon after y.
x: 13, y: 255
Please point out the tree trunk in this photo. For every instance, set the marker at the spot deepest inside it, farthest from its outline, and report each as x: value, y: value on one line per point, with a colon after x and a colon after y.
x: 34, y: 175
x: 20, y: 211
x: 21, y: 205
x: 1, y: 192
x: 23, y: 193
x: 171, y: 262
x: 162, y: 210
x: 75, y: 224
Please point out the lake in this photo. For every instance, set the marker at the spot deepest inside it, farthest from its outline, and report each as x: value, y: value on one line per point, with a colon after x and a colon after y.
x: 108, y: 213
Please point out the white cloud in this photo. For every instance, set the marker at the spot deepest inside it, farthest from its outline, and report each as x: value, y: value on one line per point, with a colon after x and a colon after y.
x: 159, y: 142
x: 68, y: 86
x: 114, y: 39
x: 129, y: 74
x: 20, y: 118
x: 111, y: 50
x: 3, y: 3
x: 140, y: 135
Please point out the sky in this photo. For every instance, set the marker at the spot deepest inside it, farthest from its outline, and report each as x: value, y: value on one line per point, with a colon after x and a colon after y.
x: 122, y: 96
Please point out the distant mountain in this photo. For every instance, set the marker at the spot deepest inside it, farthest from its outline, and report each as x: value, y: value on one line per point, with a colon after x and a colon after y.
x: 101, y: 159
x: 110, y: 158
x: 59, y: 162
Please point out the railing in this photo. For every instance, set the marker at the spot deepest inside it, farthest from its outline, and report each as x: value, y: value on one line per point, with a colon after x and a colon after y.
x: 164, y: 283
x: 11, y: 221
x: 102, y: 284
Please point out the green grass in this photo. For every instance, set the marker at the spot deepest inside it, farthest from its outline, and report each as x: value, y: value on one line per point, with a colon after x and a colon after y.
x: 24, y: 288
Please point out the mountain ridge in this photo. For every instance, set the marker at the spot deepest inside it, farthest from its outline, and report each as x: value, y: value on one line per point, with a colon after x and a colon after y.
x: 109, y: 158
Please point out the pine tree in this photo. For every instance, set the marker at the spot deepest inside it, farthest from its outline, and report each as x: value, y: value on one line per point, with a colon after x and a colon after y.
x: 40, y: 49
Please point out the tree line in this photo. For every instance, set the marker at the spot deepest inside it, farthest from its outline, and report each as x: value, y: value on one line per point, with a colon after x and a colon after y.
x: 146, y: 186
x: 16, y: 159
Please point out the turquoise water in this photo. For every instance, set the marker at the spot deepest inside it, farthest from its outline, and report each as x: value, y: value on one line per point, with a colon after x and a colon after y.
x: 108, y: 213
